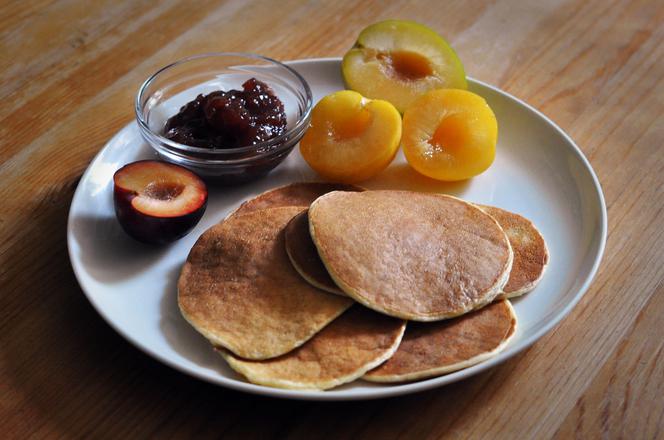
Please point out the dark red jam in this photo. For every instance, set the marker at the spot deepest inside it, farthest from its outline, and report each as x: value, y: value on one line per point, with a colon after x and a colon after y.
x: 231, y: 119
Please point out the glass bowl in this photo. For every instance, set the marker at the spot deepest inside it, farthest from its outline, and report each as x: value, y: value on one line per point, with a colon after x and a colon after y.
x: 166, y: 91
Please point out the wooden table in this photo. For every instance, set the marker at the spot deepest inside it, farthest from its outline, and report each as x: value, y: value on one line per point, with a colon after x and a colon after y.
x: 68, y: 74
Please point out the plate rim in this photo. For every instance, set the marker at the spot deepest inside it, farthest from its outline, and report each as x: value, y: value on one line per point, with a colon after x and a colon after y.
x: 389, y: 390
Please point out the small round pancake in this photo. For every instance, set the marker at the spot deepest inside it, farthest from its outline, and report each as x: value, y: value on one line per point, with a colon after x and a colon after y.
x: 240, y: 291
x: 530, y: 252
x: 303, y: 255
x: 351, y: 345
x: 295, y: 194
x: 436, y: 348
x: 417, y: 256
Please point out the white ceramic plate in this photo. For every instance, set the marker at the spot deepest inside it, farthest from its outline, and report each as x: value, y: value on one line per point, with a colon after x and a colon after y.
x: 539, y: 172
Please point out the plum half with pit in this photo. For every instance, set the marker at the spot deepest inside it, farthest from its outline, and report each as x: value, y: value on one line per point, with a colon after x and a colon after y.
x: 158, y: 202
x: 399, y: 60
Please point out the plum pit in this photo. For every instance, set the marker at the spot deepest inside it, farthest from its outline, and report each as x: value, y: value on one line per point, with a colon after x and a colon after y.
x: 163, y: 190
x: 406, y: 65
x: 451, y: 133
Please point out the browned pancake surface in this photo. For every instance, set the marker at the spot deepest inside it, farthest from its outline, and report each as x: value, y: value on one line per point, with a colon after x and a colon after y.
x: 411, y: 255
x: 240, y: 291
x: 435, y: 348
x: 530, y: 252
x: 352, y: 344
x: 295, y: 194
x: 304, y: 256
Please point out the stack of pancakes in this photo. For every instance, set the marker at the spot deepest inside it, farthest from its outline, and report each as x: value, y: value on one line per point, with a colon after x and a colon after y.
x: 313, y: 285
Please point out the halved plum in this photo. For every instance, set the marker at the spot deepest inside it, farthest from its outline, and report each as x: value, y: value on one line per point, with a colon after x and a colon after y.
x: 351, y: 138
x: 398, y: 60
x: 158, y: 202
x: 449, y: 134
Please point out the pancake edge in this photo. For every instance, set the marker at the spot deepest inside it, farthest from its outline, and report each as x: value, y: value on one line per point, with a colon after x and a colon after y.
x: 278, y: 188
x: 528, y: 287
x: 531, y: 285
x: 319, y: 386
x: 310, y: 280
x: 217, y: 341
x: 489, y: 296
x: 435, y: 372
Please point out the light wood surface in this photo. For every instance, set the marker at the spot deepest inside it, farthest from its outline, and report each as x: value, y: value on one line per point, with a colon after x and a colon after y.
x: 68, y: 74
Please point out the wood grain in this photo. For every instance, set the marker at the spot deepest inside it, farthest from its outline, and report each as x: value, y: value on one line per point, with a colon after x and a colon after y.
x: 68, y: 73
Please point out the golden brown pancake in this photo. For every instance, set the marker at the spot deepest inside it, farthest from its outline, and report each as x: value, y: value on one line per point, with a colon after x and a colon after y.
x: 295, y: 194
x: 436, y: 348
x: 530, y: 252
x: 300, y: 194
x: 423, y: 257
x: 351, y: 345
x: 240, y: 291
x: 304, y: 256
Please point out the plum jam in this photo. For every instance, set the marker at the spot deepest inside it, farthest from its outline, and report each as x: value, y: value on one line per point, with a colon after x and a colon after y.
x: 229, y: 119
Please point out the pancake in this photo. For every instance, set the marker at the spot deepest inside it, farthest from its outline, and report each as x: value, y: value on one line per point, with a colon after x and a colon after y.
x: 530, y: 253
x: 303, y: 255
x: 436, y: 348
x: 295, y: 194
x: 239, y: 290
x: 411, y: 255
x: 354, y: 343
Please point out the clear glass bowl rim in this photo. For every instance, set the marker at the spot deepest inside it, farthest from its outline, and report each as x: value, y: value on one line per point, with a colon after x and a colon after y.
x: 299, y: 125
